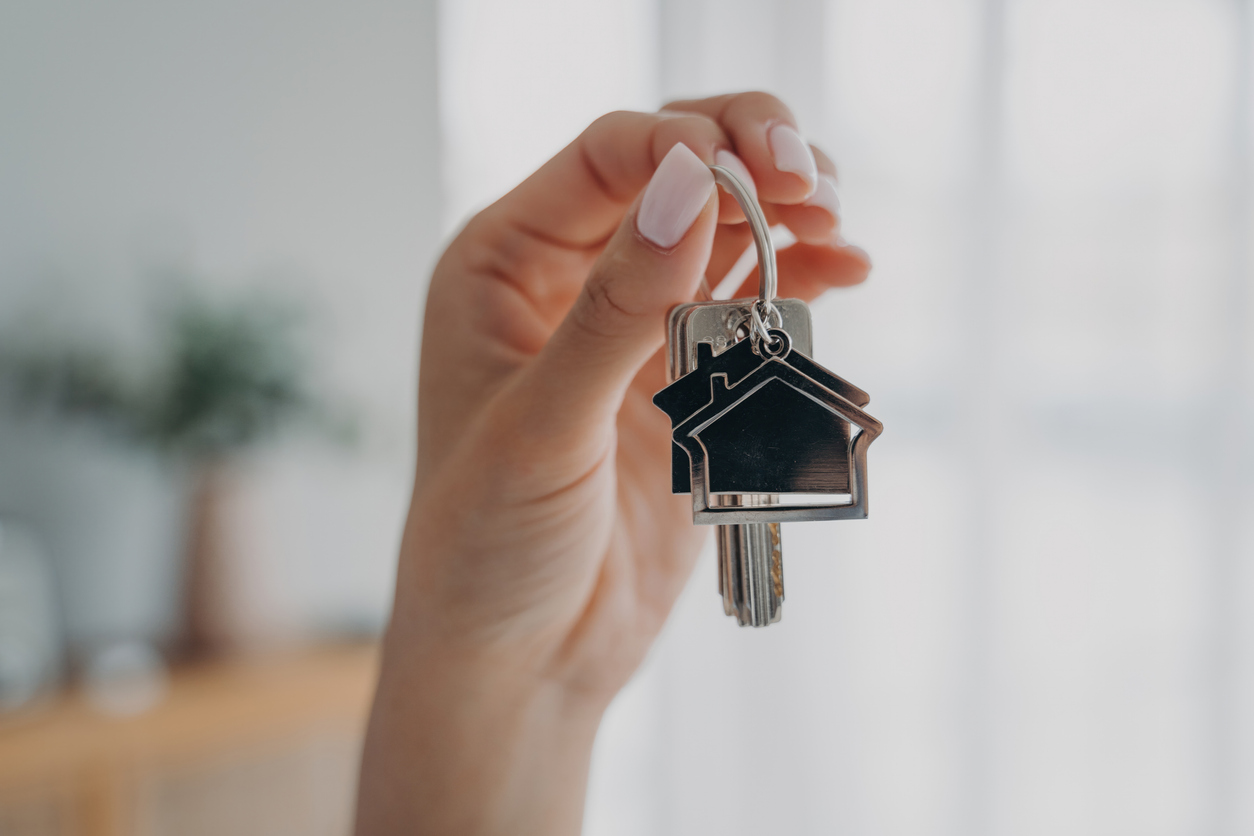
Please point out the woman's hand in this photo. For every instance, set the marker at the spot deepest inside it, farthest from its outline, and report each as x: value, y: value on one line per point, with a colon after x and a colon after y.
x: 544, y: 549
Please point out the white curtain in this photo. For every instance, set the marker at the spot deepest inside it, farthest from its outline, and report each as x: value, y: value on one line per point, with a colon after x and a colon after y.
x: 1043, y: 626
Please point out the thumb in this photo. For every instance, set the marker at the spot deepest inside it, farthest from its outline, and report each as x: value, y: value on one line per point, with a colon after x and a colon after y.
x: 654, y: 261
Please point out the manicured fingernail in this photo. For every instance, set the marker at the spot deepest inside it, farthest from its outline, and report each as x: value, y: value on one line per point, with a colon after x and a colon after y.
x: 792, y: 154
x: 824, y: 196
x: 729, y: 160
x: 675, y: 197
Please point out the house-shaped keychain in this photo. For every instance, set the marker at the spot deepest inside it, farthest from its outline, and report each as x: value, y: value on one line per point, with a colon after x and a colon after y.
x: 761, y: 418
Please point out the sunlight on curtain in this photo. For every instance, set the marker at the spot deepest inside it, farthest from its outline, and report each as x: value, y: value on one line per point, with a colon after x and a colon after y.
x: 1040, y: 629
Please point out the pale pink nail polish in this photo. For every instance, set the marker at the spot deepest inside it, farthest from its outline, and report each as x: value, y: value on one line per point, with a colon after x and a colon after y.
x: 824, y: 196
x: 674, y: 198
x: 730, y: 161
x: 792, y: 154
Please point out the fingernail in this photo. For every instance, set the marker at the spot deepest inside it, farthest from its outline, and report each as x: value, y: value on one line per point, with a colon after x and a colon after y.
x: 729, y: 160
x: 825, y: 197
x: 674, y: 198
x: 792, y: 154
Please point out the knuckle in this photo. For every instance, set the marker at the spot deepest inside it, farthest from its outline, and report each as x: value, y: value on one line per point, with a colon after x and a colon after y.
x: 609, y: 122
x: 693, y: 121
x: 696, y: 130
x: 701, y: 105
x: 682, y: 106
x: 760, y: 103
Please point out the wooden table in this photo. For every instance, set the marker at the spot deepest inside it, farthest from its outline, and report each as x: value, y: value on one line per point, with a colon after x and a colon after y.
x: 266, y: 746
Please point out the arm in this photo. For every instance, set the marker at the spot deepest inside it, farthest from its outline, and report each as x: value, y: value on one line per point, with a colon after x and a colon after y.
x: 543, y: 549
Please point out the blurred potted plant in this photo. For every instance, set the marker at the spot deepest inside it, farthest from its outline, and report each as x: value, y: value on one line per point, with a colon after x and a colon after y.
x: 227, y: 377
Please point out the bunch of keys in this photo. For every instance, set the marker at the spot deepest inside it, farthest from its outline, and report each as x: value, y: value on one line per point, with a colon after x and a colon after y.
x: 753, y: 417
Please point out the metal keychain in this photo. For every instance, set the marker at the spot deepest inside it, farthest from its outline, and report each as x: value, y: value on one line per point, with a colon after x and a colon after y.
x: 754, y: 417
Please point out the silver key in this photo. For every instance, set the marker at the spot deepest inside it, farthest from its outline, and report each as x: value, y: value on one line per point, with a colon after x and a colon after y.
x: 751, y: 568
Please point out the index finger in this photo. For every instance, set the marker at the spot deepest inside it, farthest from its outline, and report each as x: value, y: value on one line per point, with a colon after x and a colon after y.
x: 765, y: 134
x: 578, y: 198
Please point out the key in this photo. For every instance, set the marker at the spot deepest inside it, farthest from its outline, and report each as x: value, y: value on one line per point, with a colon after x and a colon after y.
x: 750, y: 555
x: 751, y: 568
x: 753, y: 417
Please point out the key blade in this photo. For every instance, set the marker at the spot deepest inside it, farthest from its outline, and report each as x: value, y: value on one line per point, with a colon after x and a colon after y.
x: 751, y: 566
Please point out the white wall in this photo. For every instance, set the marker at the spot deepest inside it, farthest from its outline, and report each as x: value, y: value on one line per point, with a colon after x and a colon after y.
x: 288, y: 144
x: 518, y: 81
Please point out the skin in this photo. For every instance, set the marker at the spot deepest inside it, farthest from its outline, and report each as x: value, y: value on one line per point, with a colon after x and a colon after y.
x: 543, y: 548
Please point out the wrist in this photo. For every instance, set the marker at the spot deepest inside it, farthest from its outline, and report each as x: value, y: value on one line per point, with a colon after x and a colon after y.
x: 500, y: 749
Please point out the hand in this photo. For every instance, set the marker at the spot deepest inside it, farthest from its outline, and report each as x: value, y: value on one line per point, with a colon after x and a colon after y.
x: 543, y: 549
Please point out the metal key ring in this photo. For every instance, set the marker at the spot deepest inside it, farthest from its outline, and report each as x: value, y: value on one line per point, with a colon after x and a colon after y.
x: 764, y: 309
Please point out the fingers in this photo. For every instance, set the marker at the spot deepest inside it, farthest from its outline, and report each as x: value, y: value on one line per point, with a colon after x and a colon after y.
x: 764, y: 133
x: 654, y: 261
x: 807, y: 270
x: 816, y: 219
x: 796, y: 182
x: 578, y: 198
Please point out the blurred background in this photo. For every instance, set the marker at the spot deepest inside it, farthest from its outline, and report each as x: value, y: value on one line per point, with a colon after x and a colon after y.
x: 216, y: 224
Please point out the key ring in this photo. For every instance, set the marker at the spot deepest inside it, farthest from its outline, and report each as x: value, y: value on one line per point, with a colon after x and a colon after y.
x: 763, y: 310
